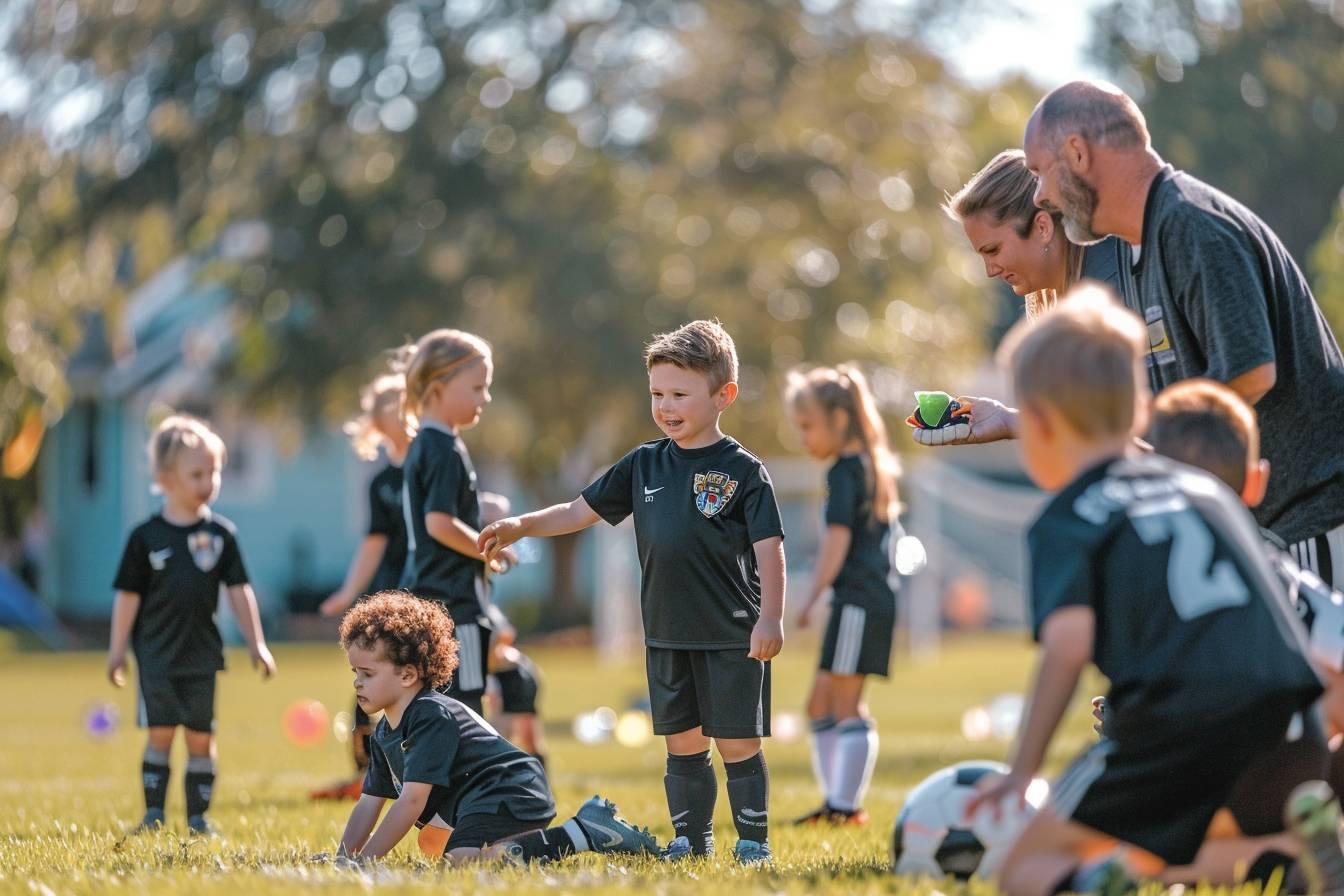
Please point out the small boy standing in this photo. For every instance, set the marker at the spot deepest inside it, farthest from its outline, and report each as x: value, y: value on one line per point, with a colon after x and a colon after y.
x: 441, y: 764
x: 1156, y: 573
x: 167, y: 591
x: 711, y: 554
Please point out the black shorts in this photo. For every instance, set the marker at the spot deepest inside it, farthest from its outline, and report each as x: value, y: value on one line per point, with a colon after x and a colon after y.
x: 473, y: 655
x: 1162, y: 796
x: 857, y: 641
x: 188, y: 701
x: 725, y: 693
x: 518, y: 689
x: 1260, y: 793
x: 479, y: 830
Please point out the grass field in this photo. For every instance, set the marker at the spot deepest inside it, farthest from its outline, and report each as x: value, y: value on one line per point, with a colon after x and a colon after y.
x: 66, y: 800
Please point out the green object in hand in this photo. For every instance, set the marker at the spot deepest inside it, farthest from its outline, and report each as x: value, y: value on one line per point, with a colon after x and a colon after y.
x: 934, y: 408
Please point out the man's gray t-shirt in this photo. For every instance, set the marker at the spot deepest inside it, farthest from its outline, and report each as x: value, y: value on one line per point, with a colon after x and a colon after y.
x: 1222, y: 296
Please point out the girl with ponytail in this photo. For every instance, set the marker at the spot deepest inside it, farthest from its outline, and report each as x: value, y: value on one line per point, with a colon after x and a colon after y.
x: 837, y: 420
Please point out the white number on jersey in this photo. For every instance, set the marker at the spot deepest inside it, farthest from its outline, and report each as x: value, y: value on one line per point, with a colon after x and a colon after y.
x: 1195, y: 583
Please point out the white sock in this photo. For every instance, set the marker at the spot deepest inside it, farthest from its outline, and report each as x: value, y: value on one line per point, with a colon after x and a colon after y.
x: 823, y: 751
x: 855, y: 756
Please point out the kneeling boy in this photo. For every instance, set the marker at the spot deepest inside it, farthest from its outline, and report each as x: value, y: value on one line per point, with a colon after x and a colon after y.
x: 1154, y: 572
x: 441, y: 763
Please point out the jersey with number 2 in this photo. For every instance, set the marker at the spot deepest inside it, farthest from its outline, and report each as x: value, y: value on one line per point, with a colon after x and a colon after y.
x: 1191, y: 621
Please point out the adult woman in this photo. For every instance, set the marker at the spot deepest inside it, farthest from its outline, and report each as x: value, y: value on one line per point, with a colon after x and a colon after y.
x: 1025, y: 247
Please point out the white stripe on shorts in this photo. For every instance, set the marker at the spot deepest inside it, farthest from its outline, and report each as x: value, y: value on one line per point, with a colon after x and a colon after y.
x: 849, y: 640
x: 1070, y: 789
x: 469, y: 658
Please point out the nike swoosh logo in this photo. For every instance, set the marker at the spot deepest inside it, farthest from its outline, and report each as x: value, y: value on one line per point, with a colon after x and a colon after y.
x: 160, y: 556
x: 752, y: 813
x: 650, y: 491
x: 613, y: 838
x: 680, y: 815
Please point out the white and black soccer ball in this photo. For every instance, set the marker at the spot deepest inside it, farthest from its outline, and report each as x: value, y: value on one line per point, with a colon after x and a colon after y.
x: 933, y: 836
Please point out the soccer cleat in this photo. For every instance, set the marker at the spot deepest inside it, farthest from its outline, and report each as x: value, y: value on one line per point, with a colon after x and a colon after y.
x: 815, y: 817
x: 513, y: 854
x: 607, y: 831
x: 749, y: 852
x: 677, y: 850
x: 857, y: 818
x: 152, y: 821
x: 1313, y: 814
x: 200, y: 826
x: 349, y: 790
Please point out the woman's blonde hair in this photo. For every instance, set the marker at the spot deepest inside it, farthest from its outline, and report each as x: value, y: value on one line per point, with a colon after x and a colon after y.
x: 437, y: 355
x: 178, y: 433
x: 378, y: 397
x: 844, y: 388
x: 1004, y: 191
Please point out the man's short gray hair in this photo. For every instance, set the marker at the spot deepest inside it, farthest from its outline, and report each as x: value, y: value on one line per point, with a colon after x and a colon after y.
x: 1098, y: 111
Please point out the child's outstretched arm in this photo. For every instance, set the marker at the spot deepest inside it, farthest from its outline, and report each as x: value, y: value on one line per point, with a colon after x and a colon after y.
x: 1066, y: 649
x: 767, y: 638
x: 559, y: 519
x: 362, y: 820
x: 399, y: 820
x: 124, y: 611
x: 244, y: 603
x: 831, y: 556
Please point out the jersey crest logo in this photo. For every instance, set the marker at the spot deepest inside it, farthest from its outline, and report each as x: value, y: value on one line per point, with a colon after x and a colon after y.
x: 206, y: 549
x: 713, y: 491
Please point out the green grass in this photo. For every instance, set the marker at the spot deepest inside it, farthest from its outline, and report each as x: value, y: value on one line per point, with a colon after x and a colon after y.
x: 65, y: 800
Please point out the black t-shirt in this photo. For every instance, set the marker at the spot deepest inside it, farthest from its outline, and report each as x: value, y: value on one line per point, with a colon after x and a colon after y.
x: 472, y: 769
x: 387, y: 518
x: 698, y: 512
x: 1222, y: 296
x: 863, y: 580
x: 1191, y: 621
x: 177, y: 571
x: 439, y: 478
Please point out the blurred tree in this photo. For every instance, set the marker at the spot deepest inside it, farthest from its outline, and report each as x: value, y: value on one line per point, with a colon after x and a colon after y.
x: 1246, y: 94
x: 1327, y: 269
x: 562, y: 177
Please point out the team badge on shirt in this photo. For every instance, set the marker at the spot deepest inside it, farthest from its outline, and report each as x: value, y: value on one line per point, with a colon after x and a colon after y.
x: 206, y: 548
x: 712, y: 491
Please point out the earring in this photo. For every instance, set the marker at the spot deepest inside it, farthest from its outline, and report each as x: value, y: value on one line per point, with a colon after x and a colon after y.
x: 1046, y: 251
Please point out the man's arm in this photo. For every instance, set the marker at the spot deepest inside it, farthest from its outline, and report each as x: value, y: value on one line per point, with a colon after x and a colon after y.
x: 1255, y: 383
x: 399, y: 820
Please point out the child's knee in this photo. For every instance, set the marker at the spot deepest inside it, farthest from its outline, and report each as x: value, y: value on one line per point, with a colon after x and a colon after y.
x: 735, y: 749
x: 161, y: 737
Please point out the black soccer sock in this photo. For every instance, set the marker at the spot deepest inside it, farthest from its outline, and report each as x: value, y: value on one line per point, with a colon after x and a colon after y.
x: 749, y: 795
x: 200, y: 783
x: 154, y: 777
x: 692, y: 790
x: 553, y: 843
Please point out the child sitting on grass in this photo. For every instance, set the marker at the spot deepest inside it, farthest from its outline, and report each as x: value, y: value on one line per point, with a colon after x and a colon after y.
x: 441, y: 763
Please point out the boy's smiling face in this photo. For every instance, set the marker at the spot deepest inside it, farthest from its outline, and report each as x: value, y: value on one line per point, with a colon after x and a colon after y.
x: 684, y: 407
x: 379, y: 683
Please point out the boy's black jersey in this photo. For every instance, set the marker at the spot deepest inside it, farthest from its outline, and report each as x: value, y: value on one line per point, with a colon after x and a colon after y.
x: 698, y: 512
x: 387, y: 518
x: 471, y: 768
x: 863, y: 579
x: 1191, y: 620
x: 177, y: 571
x: 439, y: 478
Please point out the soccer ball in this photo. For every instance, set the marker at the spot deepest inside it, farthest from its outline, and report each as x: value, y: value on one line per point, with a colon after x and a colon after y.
x: 933, y: 836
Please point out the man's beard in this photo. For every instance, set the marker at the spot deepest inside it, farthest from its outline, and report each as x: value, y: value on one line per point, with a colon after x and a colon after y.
x: 1079, y: 204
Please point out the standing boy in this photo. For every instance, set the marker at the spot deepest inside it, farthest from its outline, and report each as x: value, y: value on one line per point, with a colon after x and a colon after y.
x: 167, y: 591
x: 1155, y: 572
x: 712, y: 559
